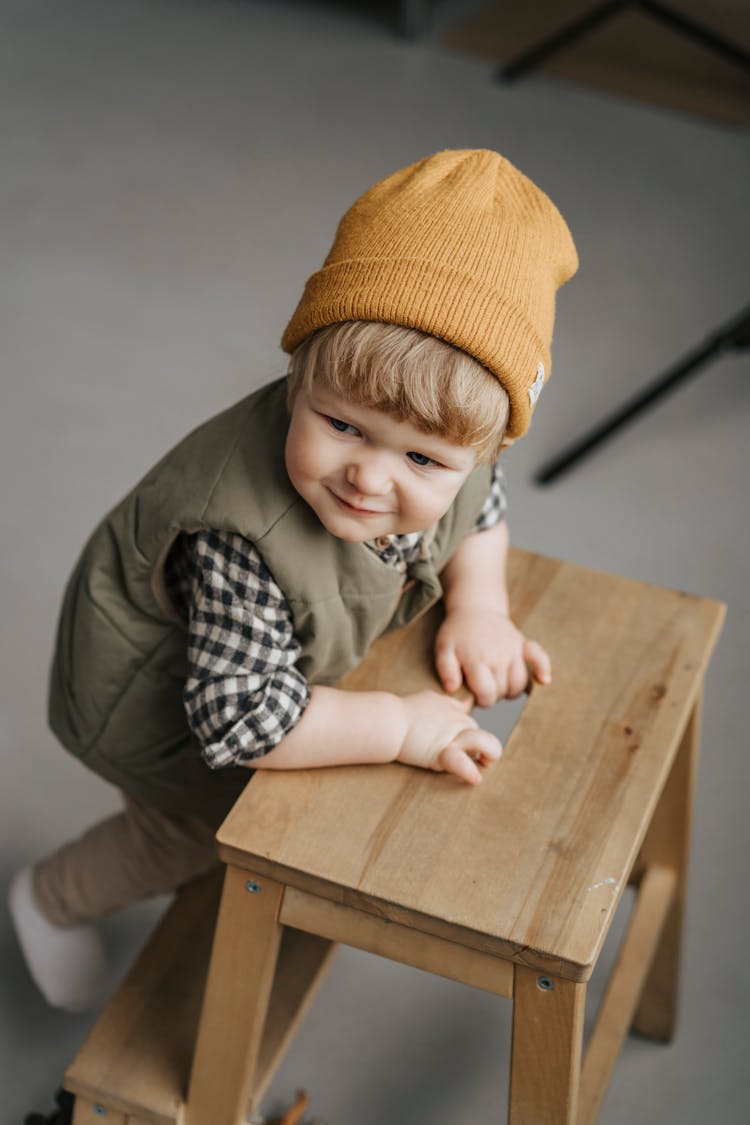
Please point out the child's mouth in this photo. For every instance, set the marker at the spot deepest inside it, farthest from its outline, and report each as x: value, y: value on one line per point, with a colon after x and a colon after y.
x: 354, y: 508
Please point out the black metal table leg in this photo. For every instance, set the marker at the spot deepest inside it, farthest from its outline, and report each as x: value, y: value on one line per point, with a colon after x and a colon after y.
x: 698, y: 32
x: 733, y: 335
x: 561, y: 39
x: 603, y: 13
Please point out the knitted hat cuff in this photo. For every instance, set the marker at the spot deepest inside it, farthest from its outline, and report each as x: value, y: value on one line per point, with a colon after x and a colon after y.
x: 411, y: 292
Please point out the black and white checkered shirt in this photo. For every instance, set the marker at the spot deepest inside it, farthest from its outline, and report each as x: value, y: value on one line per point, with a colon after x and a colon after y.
x: 244, y: 691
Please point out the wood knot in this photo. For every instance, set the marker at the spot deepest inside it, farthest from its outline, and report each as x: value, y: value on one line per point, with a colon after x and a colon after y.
x: 658, y: 691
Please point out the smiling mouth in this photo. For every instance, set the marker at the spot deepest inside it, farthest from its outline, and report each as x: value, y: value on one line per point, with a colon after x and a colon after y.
x: 353, y: 507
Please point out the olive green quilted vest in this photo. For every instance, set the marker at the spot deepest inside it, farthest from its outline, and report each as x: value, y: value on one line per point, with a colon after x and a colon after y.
x: 120, y: 660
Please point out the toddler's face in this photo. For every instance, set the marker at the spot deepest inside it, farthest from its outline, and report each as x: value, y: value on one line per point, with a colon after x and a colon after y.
x: 365, y: 474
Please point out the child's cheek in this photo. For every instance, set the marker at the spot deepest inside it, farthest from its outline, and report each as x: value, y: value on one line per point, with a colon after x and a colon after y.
x: 300, y: 452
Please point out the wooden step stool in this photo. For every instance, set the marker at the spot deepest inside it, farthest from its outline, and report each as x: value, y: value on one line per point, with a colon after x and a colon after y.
x: 510, y: 887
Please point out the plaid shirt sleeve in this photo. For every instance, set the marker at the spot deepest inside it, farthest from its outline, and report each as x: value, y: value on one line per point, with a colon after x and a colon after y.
x: 496, y: 504
x: 244, y: 691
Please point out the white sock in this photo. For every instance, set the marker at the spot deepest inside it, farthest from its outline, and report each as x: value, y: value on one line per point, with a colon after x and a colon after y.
x: 68, y: 963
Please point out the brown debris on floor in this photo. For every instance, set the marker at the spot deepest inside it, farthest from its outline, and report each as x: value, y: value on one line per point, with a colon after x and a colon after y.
x: 293, y: 1116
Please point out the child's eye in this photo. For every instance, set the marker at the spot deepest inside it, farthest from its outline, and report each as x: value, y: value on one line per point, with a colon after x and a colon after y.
x: 421, y: 459
x: 343, y: 427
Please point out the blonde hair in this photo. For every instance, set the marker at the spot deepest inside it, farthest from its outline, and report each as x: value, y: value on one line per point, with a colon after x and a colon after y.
x: 408, y: 374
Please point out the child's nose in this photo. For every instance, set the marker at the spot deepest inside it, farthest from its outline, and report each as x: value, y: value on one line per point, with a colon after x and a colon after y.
x: 369, y: 475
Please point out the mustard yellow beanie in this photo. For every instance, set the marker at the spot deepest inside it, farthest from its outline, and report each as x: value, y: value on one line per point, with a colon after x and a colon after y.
x: 462, y: 246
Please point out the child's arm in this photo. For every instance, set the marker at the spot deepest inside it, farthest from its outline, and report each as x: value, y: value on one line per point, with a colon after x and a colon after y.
x: 235, y: 704
x: 478, y: 643
x: 425, y: 729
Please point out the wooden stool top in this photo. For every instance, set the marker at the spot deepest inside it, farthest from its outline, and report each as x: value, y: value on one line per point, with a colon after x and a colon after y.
x: 529, y: 865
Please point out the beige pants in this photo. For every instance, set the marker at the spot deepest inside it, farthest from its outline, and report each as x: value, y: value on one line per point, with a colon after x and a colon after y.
x: 134, y: 855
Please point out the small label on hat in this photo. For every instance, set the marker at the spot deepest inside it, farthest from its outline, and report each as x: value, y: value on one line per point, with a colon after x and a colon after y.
x: 536, y: 387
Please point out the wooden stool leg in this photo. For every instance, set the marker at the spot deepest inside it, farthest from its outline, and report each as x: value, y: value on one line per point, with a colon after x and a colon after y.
x: 546, y: 1052
x: 240, y: 976
x: 667, y: 843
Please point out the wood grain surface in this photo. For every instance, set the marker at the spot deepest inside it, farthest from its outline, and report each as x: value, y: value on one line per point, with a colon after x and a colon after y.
x: 530, y: 865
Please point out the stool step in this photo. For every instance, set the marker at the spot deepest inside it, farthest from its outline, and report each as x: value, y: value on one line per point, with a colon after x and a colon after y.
x: 136, y: 1060
x: 137, y: 1057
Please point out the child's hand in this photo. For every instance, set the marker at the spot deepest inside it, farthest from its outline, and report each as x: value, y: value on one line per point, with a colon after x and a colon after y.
x: 441, y: 735
x: 485, y: 650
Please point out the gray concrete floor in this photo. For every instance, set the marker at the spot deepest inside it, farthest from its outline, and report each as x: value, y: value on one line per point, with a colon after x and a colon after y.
x: 171, y: 173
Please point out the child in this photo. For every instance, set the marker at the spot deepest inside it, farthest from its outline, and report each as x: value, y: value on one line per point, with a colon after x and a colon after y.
x: 214, y: 608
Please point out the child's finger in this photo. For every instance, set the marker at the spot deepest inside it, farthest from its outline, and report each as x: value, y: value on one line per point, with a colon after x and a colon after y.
x: 480, y: 745
x: 448, y: 669
x: 467, y: 749
x: 456, y: 761
x: 466, y: 704
x: 487, y: 745
x: 487, y: 685
x: 518, y: 678
x: 538, y: 662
